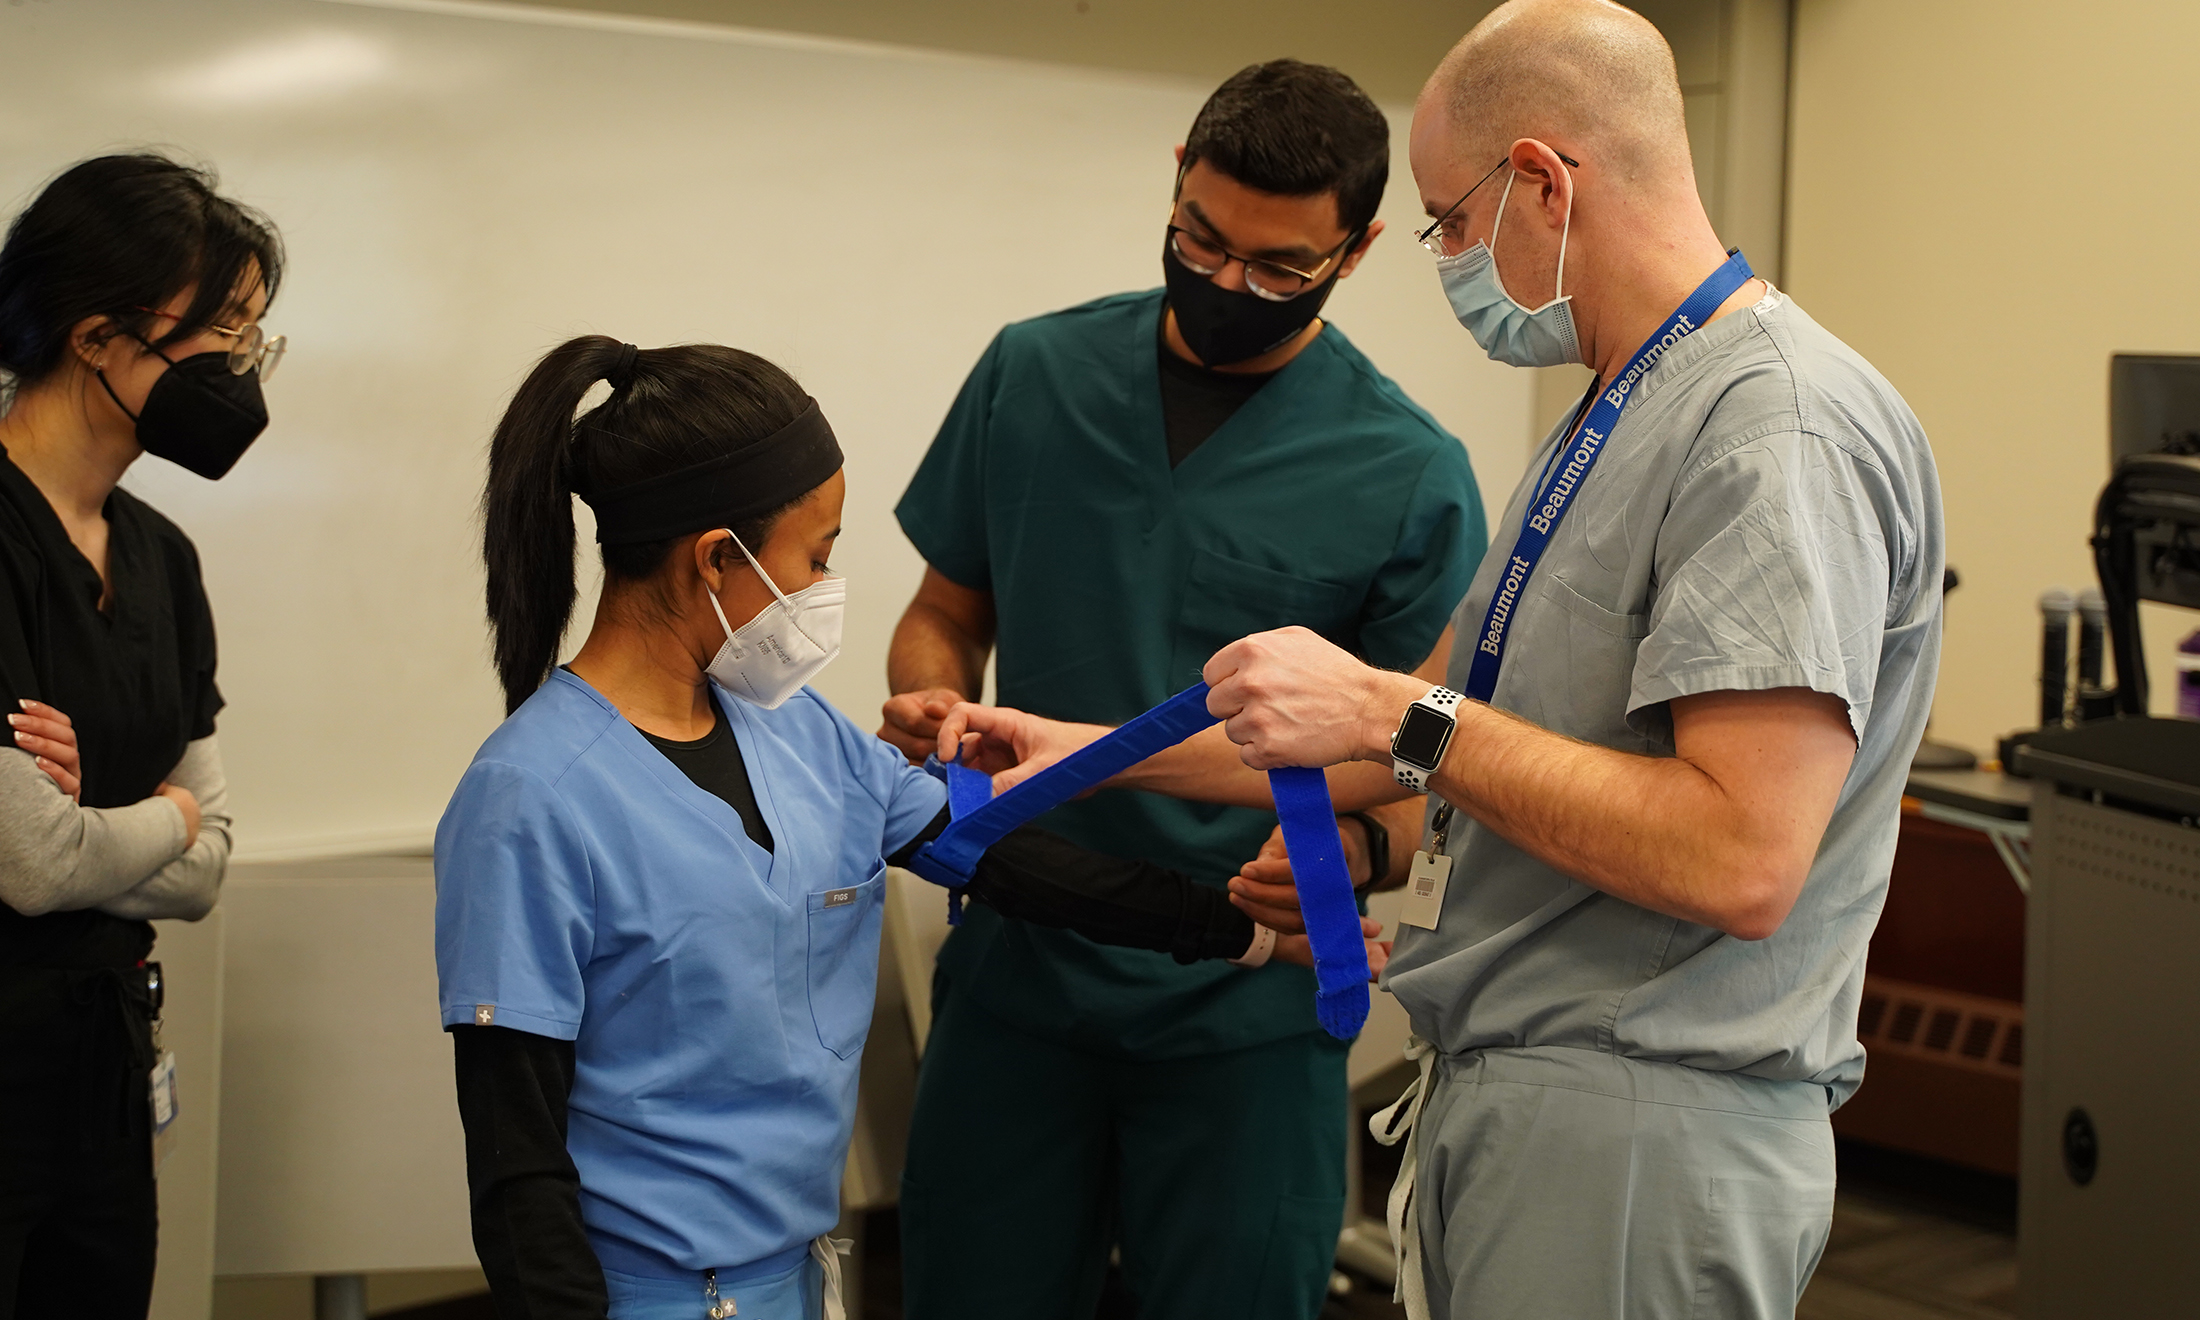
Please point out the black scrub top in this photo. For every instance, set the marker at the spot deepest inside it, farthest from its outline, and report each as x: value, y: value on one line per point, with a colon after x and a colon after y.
x: 137, y: 679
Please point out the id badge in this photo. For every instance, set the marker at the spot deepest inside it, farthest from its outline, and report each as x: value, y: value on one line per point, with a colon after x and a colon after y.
x: 1425, y: 890
x: 164, y: 1107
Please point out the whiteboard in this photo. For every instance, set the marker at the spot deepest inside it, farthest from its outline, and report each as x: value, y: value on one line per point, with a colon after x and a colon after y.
x: 463, y: 186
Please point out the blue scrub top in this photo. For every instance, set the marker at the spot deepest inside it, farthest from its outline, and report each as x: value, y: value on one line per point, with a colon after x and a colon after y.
x: 717, y: 995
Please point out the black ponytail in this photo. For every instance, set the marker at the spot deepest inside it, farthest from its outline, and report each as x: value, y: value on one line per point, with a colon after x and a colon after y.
x: 673, y: 408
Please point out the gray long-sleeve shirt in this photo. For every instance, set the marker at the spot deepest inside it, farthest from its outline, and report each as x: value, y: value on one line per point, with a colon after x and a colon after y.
x: 56, y: 856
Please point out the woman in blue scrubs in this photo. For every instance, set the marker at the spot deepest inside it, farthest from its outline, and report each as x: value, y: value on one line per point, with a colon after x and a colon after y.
x: 659, y: 885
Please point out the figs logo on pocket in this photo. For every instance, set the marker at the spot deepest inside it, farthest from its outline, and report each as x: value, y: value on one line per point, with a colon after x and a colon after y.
x: 840, y: 898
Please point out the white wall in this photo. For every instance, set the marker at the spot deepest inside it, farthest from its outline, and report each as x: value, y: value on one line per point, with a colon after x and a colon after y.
x: 1987, y: 200
x: 463, y: 186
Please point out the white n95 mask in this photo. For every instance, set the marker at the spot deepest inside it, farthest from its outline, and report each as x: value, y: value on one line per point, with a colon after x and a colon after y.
x: 769, y: 658
x: 1515, y: 335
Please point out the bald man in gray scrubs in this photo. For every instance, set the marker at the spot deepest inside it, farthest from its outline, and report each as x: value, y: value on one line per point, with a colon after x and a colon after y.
x: 1676, y: 813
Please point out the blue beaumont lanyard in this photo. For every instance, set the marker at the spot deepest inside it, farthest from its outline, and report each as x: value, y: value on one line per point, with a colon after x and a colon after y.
x: 1309, y: 821
x: 1563, y: 480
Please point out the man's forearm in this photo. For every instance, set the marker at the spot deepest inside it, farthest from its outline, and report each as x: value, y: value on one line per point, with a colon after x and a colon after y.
x: 1655, y: 831
x: 1206, y: 768
x: 1723, y: 832
x: 931, y: 650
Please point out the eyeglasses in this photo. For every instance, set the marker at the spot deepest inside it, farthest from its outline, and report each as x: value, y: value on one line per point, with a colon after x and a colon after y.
x: 249, y: 346
x: 1269, y: 279
x: 1437, y: 240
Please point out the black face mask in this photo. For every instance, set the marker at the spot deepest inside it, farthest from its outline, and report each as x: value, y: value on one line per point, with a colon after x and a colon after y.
x: 1223, y: 325
x: 199, y: 415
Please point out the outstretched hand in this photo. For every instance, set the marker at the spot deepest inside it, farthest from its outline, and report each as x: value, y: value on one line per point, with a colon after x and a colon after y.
x: 1009, y: 744
x: 50, y: 737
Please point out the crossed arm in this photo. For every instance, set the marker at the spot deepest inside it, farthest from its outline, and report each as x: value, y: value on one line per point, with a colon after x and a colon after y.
x: 161, y: 857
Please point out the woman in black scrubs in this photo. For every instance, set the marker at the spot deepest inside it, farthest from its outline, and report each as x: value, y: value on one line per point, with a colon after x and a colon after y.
x: 130, y: 300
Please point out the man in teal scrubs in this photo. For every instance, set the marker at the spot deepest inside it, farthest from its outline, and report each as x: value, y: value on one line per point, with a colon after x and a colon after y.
x: 1120, y: 489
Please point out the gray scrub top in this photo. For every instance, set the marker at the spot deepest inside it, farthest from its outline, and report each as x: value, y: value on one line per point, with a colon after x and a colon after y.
x: 1766, y: 515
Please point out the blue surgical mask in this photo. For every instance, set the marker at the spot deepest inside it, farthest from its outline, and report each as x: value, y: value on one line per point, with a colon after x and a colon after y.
x: 1515, y: 335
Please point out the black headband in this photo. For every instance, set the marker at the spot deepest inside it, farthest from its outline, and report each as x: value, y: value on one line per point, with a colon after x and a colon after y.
x: 747, y: 483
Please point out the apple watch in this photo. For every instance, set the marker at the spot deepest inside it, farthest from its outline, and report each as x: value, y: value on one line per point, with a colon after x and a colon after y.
x: 1418, y: 746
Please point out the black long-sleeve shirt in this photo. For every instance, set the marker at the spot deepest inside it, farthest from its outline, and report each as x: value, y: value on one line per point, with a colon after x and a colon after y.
x: 513, y: 1085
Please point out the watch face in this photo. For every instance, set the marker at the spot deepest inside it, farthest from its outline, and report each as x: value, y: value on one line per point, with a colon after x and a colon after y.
x: 1421, y: 737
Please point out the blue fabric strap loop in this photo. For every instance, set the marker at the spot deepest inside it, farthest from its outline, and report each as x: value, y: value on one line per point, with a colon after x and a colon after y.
x: 1332, y: 912
x: 962, y: 843
x: 1555, y: 496
x: 1326, y: 900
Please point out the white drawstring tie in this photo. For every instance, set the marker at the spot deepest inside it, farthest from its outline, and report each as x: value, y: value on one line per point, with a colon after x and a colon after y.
x: 1402, y: 1217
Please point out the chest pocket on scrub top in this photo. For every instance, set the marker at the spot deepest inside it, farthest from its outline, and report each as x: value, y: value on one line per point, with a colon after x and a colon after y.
x: 1581, y: 647
x: 1226, y: 599
x: 843, y: 961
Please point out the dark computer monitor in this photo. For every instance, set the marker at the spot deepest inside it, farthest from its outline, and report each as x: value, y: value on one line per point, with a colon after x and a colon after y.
x: 2146, y: 542
x: 2153, y: 404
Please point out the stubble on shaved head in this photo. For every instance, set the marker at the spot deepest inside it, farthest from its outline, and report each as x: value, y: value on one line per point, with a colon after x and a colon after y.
x: 1578, y: 74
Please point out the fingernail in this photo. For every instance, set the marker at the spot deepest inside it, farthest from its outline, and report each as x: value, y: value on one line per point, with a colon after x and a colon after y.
x: 15, y: 721
x: 27, y: 704
x: 21, y: 736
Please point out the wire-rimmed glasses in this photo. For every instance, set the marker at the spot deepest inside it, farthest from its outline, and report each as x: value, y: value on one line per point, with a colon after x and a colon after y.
x: 1437, y: 239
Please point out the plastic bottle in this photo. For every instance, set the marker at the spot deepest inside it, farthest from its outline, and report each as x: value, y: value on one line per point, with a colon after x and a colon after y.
x: 2056, y: 606
x: 2188, y: 677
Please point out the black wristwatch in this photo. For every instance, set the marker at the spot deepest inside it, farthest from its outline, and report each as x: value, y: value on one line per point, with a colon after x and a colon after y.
x: 1378, y: 849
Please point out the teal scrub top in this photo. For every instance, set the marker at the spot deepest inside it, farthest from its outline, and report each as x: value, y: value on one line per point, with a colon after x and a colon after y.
x: 717, y: 995
x: 1328, y: 500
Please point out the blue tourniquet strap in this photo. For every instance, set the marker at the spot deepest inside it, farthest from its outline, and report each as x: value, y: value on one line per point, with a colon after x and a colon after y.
x: 1326, y: 900
x: 967, y: 790
x: 950, y: 858
x: 1302, y: 804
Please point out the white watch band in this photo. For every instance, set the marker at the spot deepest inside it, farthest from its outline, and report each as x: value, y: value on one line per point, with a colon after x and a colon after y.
x: 1256, y: 953
x: 1444, y: 702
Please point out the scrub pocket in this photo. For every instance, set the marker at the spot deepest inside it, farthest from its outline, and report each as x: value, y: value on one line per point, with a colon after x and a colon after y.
x: 1302, y: 1252
x: 843, y: 961
x: 1226, y: 599
x: 1760, y: 1242
x: 1597, y: 654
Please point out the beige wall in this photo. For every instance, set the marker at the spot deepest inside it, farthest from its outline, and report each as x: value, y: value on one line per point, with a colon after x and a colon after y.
x: 1986, y: 200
